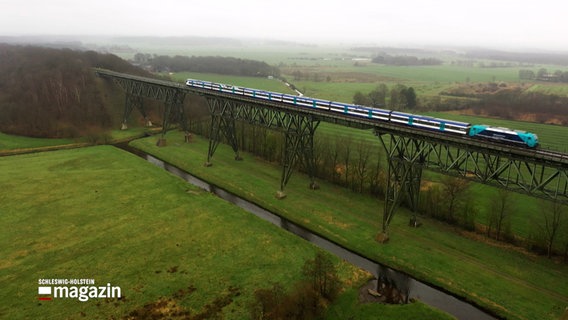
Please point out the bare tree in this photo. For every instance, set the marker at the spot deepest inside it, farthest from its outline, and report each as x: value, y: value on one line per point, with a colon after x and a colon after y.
x: 500, y: 214
x: 551, y: 222
x: 379, y: 95
x: 361, y: 168
x: 345, y: 146
x: 454, y: 189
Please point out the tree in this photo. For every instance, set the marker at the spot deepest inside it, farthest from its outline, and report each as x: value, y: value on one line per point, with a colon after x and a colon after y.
x: 397, y: 97
x: 454, y: 189
x: 377, y: 179
x: 344, y: 145
x: 321, y: 273
x: 410, y: 96
x: 525, y: 74
x: 361, y: 99
x: 542, y: 72
x: 361, y: 166
x: 551, y: 223
x: 267, y: 301
x: 379, y: 95
x: 500, y: 214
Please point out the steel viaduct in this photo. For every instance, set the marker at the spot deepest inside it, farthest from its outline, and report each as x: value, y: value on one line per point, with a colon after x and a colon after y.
x: 536, y: 172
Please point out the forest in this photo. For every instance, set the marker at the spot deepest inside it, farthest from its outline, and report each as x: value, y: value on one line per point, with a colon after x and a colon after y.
x: 209, y: 64
x: 54, y: 93
x: 47, y: 92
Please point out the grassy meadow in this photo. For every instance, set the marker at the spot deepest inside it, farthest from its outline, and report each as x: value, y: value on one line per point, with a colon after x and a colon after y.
x: 483, y: 272
x: 101, y: 213
x: 11, y: 142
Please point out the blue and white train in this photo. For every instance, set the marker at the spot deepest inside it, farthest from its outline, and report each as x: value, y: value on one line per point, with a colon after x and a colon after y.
x: 495, y: 134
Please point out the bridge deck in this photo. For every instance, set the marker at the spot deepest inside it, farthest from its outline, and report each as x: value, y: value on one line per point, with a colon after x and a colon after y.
x: 551, y: 158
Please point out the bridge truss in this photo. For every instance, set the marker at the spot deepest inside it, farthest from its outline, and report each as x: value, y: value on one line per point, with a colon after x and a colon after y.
x: 538, y: 173
x: 298, y: 129
x: 135, y: 92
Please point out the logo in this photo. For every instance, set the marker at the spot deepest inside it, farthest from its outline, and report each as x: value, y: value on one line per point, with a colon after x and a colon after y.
x: 80, y: 289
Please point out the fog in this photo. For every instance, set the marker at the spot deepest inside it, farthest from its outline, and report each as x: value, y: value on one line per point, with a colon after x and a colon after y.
x: 503, y: 24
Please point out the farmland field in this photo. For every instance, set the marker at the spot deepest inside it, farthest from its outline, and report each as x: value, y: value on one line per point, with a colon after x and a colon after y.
x: 175, y: 250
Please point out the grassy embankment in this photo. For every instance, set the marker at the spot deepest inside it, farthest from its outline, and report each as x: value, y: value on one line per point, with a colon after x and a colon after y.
x: 104, y: 214
x: 513, y: 284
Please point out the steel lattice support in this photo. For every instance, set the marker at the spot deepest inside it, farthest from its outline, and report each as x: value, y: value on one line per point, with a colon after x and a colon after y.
x: 408, y: 154
x: 132, y: 101
x: 535, y: 177
x: 222, y: 122
x: 173, y: 110
x: 406, y: 157
x: 298, y: 129
x: 299, y: 147
x: 173, y: 98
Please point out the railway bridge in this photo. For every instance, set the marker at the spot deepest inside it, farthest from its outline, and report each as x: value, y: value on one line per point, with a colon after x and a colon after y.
x: 536, y: 172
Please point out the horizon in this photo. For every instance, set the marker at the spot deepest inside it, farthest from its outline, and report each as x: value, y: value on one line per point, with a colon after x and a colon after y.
x: 95, y: 41
x: 504, y: 25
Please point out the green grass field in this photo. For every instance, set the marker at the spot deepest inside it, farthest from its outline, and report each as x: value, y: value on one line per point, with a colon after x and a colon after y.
x: 11, y: 142
x: 101, y: 213
x: 516, y: 285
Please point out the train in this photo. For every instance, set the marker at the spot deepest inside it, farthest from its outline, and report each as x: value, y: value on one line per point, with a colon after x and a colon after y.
x: 476, y: 131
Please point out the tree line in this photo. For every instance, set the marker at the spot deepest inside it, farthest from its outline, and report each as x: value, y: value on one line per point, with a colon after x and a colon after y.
x: 544, y: 75
x: 526, y: 57
x: 450, y: 201
x: 405, y: 60
x: 508, y: 104
x: 208, y: 64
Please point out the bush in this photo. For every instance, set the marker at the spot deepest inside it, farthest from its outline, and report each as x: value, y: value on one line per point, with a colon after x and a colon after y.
x: 308, y: 298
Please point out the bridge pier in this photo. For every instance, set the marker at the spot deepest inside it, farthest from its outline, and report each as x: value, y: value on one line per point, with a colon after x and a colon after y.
x: 406, y: 158
x: 173, y: 111
x: 299, y: 146
x: 131, y: 101
x: 298, y: 129
x: 223, y: 115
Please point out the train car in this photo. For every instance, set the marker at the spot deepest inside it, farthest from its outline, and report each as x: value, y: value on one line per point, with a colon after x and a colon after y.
x: 401, y: 117
x: 380, y: 114
x: 427, y: 122
x: 430, y: 123
x: 496, y: 134
x: 454, y: 126
x: 504, y: 135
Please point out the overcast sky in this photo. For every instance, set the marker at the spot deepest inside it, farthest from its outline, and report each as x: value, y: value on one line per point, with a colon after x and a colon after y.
x: 534, y: 24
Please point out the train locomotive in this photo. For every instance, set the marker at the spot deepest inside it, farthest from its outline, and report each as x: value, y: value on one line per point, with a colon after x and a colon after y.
x: 476, y: 131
